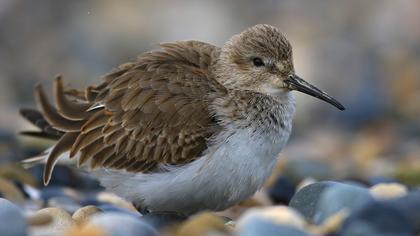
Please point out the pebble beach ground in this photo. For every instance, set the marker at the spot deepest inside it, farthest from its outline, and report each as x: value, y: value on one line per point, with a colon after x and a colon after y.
x: 304, y: 196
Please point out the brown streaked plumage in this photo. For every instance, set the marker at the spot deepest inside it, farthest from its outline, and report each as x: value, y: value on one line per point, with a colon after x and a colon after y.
x: 170, y: 109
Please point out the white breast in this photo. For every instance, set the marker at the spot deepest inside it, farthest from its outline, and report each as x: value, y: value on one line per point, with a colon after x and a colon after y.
x: 233, y: 169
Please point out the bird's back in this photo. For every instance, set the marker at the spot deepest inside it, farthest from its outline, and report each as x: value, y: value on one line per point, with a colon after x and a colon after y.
x: 153, y: 111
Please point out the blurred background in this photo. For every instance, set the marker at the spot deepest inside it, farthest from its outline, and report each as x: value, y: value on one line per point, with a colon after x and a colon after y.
x: 364, y: 53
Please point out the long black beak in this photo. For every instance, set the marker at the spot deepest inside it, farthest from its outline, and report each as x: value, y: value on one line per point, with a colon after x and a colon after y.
x: 294, y: 82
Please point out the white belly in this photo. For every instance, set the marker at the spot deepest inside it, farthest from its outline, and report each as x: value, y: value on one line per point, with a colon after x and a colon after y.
x: 233, y: 170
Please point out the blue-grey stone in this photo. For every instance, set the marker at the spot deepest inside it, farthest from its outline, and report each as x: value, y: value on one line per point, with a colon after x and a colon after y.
x: 117, y: 224
x: 339, y: 196
x: 260, y: 226
x: 281, y: 191
x: 107, y: 207
x: 306, y: 200
x: 64, y: 202
x: 12, y: 220
x: 409, y: 205
x: 377, y: 219
x: 161, y: 220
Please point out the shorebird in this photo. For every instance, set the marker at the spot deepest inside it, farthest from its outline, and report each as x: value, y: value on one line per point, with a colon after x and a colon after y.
x: 186, y: 128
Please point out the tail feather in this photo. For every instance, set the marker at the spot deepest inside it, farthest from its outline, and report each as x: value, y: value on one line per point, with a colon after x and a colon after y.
x: 63, y: 123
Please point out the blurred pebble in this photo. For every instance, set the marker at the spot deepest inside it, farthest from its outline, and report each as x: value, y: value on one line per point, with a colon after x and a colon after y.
x: 307, y: 181
x: 262, y: 226
x: 281, y: 215
x: 9, y: 190
x: 409, y: 205
x: 39, y: 219
x: 56, y: 191
x: 15, y: 171
x: 163, y: 220
x: 388, y: 190
x: 340, y: 196
x: 117, y: 224
x: 377, y: 219
x: 84, y: 213
x: 281, y: 191
x: 111, y: 208
x: 203, y: 224
x: 86, y: 230
x: 61, y: 221
x: 374, y: 180
x: 107, y: 197
x: 299, y: 169
x: 12, y: 221
x: 65, y: 203
x: 306, y: 200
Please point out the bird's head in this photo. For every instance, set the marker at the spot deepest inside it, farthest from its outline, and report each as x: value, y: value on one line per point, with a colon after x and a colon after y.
x: 260, y: 59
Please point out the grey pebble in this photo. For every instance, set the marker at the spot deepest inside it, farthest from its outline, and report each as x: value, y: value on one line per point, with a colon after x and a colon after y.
x: 260, y: 226
x: 117, y: 224
x: 12, y: 220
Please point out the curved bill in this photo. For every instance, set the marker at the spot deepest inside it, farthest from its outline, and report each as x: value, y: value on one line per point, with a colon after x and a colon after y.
x: 294, y: 82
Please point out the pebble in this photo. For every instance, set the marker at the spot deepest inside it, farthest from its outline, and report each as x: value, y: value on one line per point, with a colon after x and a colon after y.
x: 377, y: 219
x: 262, y: 226
x: 12, y: 221
x: 388, y: 190
x: 409, y: 205
x: 280, y: 215
x: 117, y: 224
x: 203, y: 224
x: 281, y: 191
x: 84, y: 213
x: 106, y: 197
x: 112, y: 208
x: 10, y: 191
x: 306, y: 200
x: 65, y: 203
x: 61, y: 221
x: 338, y: 197
x: 163, y: 220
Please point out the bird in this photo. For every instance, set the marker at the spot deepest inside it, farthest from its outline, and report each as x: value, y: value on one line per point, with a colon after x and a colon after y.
x: 184, y: 128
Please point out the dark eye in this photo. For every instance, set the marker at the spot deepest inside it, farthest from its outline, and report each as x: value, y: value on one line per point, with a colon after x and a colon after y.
x: 258, y: 61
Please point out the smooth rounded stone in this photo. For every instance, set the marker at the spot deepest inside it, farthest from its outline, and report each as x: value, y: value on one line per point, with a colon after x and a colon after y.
x: 12, y: 220
x: 107, y: 197
x: 307, y: 181
x: 61, y: 221
x: 306, y: 200
x: 409, y: 205
x: 338, y: 197
x: 116, y: 224
x: 261, y: 226
x: 39, y: 219
x: 377, y: 219
x: 56, y: 191
x: 203, y: 224
x: 111, y: 208
x: 162, y: 220
x: 281, y: 215
x: 84, y: 213
x: 299, y: 169
x: 388, y: 190
x: 281, y: 191
x: 374, y: 180
x: 10, y: 191
x: 320, y: 200
x: 65, y: 203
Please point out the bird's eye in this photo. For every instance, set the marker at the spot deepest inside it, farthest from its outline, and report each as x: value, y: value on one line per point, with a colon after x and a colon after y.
x: 257, y: 62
